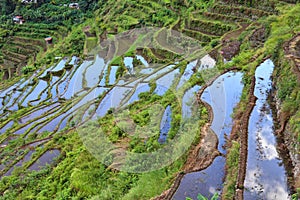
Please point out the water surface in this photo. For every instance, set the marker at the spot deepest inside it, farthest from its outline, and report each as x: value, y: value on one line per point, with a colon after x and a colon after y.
x: 266, y: 176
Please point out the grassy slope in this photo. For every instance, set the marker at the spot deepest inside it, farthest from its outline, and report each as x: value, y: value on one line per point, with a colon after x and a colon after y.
x: 79, y: 175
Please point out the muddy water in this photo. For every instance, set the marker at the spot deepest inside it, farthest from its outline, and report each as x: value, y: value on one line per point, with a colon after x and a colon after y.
x: 266, y: 176
x: 222, y: 97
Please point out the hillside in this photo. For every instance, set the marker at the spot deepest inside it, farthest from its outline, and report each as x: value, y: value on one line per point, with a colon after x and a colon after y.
x: 141, y: 99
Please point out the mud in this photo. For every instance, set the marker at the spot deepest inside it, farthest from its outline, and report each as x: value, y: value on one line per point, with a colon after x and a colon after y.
x: 292, y: 53
x: 258, y: 38
x: 291, y: 49
x: 230, y: 49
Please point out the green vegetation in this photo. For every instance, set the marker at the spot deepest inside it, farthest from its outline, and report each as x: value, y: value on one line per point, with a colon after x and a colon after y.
x: 201, y: 197
x: 261, y: 28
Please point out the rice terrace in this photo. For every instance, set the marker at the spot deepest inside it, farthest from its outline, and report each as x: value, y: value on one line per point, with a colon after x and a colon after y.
x: 143, y: 99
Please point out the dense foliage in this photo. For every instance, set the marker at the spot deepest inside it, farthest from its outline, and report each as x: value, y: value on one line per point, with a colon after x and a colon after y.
x: 76, y: 173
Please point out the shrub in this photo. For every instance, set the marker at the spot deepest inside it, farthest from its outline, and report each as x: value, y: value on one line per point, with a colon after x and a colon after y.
x: 27, y: 69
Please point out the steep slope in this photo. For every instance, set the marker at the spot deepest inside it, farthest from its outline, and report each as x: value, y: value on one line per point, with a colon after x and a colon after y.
x: 42, y: 150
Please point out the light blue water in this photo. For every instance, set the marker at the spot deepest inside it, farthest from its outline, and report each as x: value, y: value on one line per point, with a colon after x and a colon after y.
x: 266, y: 176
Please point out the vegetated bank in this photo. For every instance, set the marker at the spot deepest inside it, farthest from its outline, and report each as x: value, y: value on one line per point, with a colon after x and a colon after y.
x: 76, y: 173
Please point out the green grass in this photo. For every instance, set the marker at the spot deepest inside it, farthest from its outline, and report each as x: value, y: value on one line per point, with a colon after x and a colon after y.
x: 76, y: 174
x: 232, y: 160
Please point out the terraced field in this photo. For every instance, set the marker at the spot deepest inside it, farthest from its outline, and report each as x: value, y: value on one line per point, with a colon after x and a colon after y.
x: 23, y: 43
x: 178, y: 62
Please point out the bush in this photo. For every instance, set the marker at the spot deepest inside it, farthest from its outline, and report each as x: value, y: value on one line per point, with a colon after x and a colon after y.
x: 27, y: 69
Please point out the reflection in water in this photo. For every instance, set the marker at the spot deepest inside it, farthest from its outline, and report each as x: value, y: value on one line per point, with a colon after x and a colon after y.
x: 206, y: 182
x: 187, y: 101
x: 111, y: 100
x: 92, y: 74
x: 160, y: 72
x: 147, y: 71
x: 26, y: 158
x: 112, y: 75
x: 166, y: 82
x: 79, y: 77
x: 45, y: 159
x: 34, y: 94
x: 207, y: 62
x: 142, y: 87
x: 143, y: 60
x: 265, y: 176
x: 60, y: 65
x: 165, y: 125
x: 222, y: 97
x: 128, y: 61
x: 104, y: 74
x: 188, y: 72
x: 76, y: 83
x: 7, y: 126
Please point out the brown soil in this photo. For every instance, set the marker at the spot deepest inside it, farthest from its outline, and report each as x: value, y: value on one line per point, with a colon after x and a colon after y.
x: 291, y: 49
x: 258, y: 37
x: 204, y: 153
x: 87, y: 32
x: 283, y: 149
x: 241, y: 128
x: 230, y: 49
x: 234, y: 34
x: 230, y: 44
